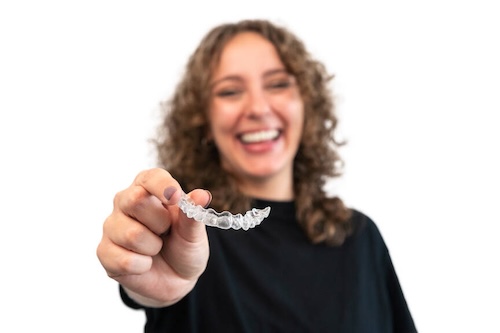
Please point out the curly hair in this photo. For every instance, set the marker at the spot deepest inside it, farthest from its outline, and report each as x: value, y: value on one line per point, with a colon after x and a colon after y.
x: 184, y: 151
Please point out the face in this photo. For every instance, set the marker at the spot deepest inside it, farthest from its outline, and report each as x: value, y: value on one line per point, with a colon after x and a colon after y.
x: 256, y: 112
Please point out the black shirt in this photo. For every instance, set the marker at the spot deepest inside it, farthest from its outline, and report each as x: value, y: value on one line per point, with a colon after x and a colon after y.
x: 272, y: 279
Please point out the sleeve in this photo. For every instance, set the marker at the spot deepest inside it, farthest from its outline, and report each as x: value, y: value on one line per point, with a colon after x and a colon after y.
x: 378, y: 252
x: 129, y: 301
x: 402, y: 319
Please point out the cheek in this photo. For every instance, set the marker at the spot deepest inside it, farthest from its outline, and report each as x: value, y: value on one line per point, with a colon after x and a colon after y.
x: 295, y: 117
x: 297, y: 110
x: 292, y: 111
x: 290, y: 105
x: 222, y: 118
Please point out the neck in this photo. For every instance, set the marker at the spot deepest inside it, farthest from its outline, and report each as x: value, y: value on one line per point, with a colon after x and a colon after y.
x: 271, y: 189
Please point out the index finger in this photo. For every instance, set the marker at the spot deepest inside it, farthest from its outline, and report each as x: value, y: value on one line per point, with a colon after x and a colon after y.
x: 159, y: 183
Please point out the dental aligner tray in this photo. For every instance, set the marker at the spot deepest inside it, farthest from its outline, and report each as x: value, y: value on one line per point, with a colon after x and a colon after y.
x: 224, y: 220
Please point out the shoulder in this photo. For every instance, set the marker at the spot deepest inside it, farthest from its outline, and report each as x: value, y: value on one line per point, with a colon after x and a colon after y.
x: 361, y: 222
x: 365, y: 230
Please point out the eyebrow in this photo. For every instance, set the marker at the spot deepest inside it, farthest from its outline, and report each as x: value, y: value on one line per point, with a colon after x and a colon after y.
x: 238, y: 78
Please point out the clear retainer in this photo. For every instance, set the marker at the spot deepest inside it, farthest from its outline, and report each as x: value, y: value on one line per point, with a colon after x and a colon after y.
x: 224, y: 220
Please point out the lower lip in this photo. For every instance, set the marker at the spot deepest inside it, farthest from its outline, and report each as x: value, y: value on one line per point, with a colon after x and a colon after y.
x: 260, y: 147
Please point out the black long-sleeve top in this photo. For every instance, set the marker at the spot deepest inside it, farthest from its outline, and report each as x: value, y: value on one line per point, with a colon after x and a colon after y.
x: 272, y: 279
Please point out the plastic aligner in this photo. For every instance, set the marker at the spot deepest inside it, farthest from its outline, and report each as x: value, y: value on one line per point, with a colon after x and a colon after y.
x: 224, y: 220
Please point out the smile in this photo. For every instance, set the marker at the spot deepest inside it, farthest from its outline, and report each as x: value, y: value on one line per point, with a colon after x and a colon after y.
x: 260, y: 136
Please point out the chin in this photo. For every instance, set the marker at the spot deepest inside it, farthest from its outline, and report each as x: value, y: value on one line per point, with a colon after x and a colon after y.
x: 262, y: 173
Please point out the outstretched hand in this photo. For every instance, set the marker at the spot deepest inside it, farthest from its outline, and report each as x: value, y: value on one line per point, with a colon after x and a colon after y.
x: 149, y: 245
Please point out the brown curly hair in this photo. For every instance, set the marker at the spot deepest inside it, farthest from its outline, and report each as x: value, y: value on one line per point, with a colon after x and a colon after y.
x: 183, y: 149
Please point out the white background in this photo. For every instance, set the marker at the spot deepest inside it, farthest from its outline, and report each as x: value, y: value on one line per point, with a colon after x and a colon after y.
x: 418, y: 97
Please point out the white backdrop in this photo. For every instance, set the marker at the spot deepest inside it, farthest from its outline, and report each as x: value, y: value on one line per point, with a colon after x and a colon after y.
x: 418, y: 97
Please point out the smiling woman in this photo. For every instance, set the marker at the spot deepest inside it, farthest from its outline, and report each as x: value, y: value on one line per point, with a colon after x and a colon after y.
x: 252, y: 120
x: 264, y: 74
x: 256, y: 116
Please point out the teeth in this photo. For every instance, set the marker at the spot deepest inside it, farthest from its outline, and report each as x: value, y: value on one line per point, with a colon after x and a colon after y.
x: 259, y: 136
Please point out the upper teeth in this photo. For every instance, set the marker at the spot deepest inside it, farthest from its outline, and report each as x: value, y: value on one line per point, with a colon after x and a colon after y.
x: 259, y: 136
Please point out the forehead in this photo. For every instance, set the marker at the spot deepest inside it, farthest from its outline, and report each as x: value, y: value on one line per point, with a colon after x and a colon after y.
x: 248, y: 50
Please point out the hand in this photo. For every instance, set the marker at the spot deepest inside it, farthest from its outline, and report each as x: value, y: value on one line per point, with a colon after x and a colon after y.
x: 149, y: 245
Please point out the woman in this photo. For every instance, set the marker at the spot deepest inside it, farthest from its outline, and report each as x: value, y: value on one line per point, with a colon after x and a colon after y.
x: 253, y: 121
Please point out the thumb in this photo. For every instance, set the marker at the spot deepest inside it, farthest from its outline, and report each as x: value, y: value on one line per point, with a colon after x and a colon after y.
x: 186, y: 247
x: 188, y: 228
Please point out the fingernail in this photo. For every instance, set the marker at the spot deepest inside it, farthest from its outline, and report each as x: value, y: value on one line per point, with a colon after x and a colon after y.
x: 210, y: 200
x: 169, y: 191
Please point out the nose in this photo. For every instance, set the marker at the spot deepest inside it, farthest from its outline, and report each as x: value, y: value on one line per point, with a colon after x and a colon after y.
x: 258, y: 104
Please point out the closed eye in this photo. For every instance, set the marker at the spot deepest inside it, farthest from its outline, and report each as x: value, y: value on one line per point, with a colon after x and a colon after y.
x: 228, y: 93
x: 279, y: 85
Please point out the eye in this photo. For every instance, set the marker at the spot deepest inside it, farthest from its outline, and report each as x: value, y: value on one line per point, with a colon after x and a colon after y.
x: 228, y: 92
x: 279, y: 84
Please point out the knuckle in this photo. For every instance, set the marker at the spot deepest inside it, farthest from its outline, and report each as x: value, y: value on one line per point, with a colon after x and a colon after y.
x: 130, y: 198
x: 134, y: 235
x: 135, y: 196
x: 124, y: 264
